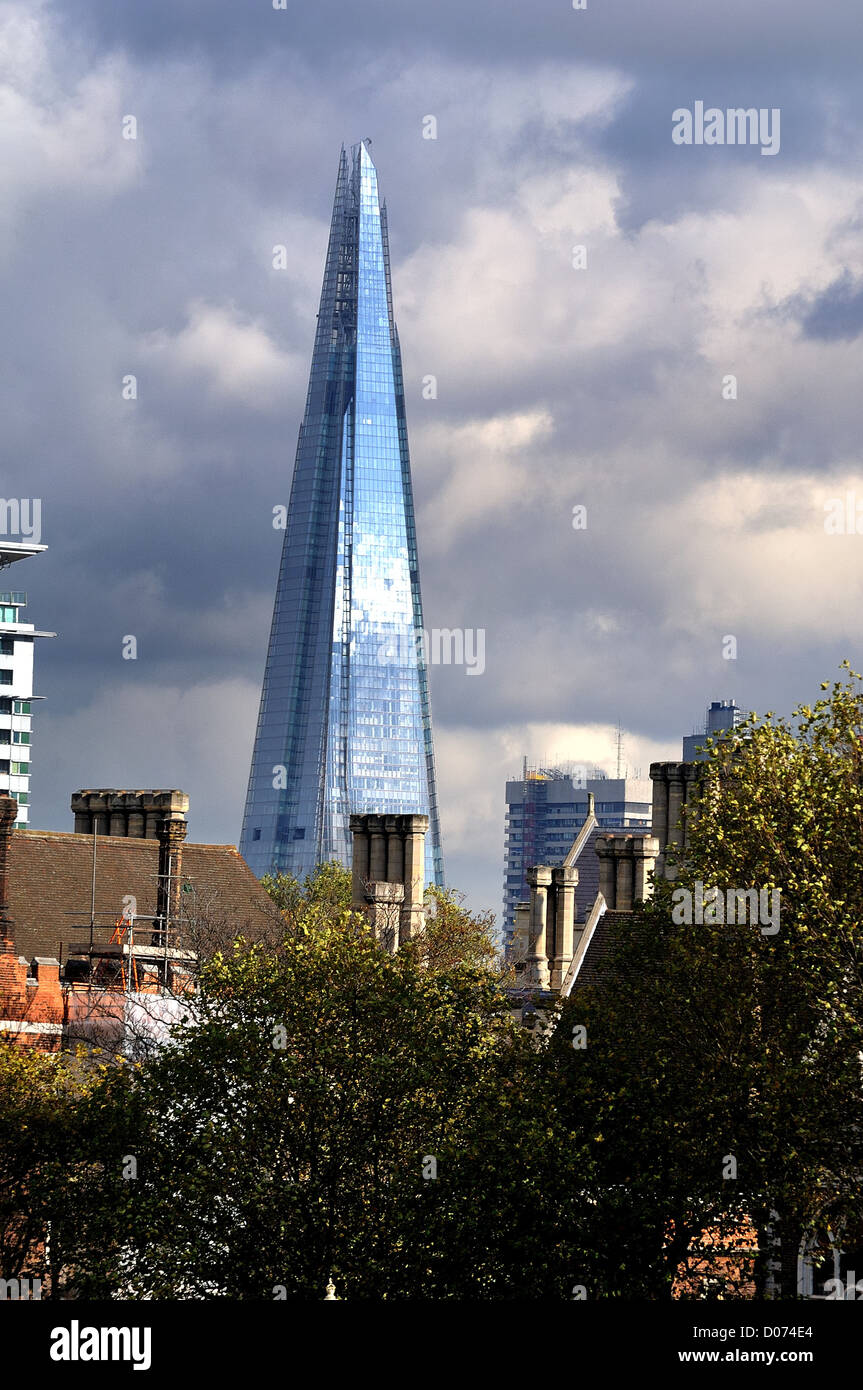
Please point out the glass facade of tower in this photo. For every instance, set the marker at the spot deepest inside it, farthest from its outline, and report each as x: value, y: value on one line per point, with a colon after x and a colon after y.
x: 345, y: 720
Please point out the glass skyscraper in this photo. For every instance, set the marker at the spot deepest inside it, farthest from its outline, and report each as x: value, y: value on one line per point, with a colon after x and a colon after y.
x: 345, y: 720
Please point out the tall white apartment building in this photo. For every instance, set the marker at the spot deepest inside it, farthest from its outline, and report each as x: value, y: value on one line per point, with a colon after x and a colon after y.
x: 17, y: 640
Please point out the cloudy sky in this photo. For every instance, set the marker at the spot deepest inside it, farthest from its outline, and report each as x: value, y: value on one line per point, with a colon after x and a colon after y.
x: 557, y: 386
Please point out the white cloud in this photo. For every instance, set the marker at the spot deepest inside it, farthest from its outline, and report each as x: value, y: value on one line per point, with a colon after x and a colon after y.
x: 556, y: 387
x: 234, y: 356
x: 485, y: 467
x: 137, y: 734
x: 60, y: 131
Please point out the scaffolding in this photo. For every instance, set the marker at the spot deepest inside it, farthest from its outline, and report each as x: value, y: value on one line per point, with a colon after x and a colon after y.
x: 137, y: 955
x: 127, y: 964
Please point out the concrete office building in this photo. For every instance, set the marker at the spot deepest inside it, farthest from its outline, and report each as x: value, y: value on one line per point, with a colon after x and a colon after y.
x: 546, y: 808
x: 722, y: 716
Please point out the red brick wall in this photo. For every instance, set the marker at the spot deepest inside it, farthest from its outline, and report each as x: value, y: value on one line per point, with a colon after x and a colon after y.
x: 31, y: 1014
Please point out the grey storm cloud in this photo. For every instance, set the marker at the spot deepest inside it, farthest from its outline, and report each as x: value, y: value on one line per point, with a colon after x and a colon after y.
x: 556, y: 386
x: 734, y: 32
x: 836, y: 313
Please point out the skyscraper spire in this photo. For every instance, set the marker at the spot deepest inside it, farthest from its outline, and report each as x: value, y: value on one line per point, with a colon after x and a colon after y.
x: 345, y: 721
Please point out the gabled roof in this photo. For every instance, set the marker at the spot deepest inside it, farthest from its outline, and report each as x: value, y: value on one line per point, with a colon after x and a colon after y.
x: 50, y: 875
x: 582, y: 855
x: 596, y: 946
x: 587, y: 864
x: 582, y: 944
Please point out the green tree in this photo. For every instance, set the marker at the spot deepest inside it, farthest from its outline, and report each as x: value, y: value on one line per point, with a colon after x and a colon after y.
x: 712, y: 1041
x: 328, y: 887
x: 782, y: 809
x: 453, y: 935
x: 334, y: 1110
x: 50, y: 1134
x: 650, y: 1064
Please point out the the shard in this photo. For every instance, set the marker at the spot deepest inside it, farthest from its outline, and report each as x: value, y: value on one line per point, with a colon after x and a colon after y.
x: 345, y: 721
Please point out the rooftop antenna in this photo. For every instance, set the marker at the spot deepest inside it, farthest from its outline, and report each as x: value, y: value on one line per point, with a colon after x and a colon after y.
x: 619, y: 750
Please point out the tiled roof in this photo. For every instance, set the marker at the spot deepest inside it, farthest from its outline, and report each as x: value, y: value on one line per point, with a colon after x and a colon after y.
x: 602, y: 942
x: 587, y: 864
x: 50, y: 875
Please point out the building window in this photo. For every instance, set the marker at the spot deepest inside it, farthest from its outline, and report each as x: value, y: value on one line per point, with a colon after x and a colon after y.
x: 19, y: 737
x: 18, y: 769
x: 19, y: 706
x: 256, y: 833
x: 23, y: 798
x: 8, y: 615
x: 7, y: 646
x: 4, y: 766
x: 5, y: 677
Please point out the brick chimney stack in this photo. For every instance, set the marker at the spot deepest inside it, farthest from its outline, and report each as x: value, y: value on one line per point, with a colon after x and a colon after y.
x: 8, y: 814
x: 172, y: 833
x: 135, y: 814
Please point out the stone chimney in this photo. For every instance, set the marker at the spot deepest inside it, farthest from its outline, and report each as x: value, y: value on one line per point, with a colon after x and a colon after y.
x: 626, y: 860
x: 539, y: 882
x: 388, y: 874
x: 673, y: 789
x: 547, y: 923
x: 551, y: 924
x: 133, y: 814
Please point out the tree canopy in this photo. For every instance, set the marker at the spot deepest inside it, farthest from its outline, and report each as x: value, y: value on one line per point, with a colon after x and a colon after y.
x: 337, y: 1111
x: 723, y: 1071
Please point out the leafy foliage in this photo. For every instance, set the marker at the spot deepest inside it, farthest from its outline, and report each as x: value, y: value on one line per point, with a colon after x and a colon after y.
x: 713, y: 1041
x: 455, y: 936
x: 338, y: 1111
x: 332, y: 1112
